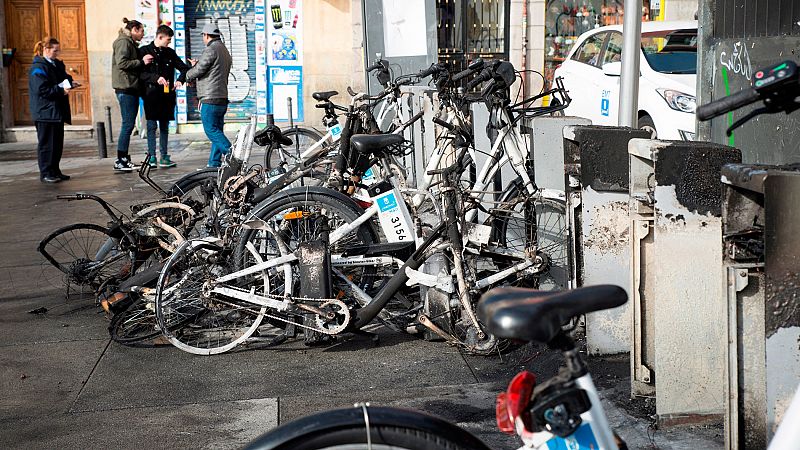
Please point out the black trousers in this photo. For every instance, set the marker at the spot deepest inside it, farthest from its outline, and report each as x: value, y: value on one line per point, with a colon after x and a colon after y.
x: 51, y: 146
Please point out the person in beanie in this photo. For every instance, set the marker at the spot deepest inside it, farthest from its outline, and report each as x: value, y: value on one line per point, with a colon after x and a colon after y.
x: 211, y: 73
x: 159, y: 92
x: 125, y: 69
x: 49, y: 86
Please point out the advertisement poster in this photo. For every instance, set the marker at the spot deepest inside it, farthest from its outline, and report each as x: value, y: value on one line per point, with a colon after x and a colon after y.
x: 284, y: 83
x: 284, y: 33
x: 147, y: 14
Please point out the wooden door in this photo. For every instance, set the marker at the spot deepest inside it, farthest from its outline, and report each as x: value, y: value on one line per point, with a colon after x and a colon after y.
x: 29, y: 21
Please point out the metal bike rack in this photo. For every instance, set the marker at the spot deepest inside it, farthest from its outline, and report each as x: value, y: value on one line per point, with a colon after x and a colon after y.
x: 596, y: 165
x: 422, y: 132
x: 761, y: 222
x: 678, y: 299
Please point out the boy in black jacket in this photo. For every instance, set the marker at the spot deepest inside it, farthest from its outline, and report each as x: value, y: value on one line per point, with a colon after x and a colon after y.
x: 49, y: 86
x: 159, y: 92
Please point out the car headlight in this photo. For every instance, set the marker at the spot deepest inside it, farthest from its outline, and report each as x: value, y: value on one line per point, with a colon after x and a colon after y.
x: 679, y: 101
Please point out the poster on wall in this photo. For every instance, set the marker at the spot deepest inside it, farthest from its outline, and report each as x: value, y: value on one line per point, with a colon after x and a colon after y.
x: 404, y: 28
x: 284, y: 33
x: 261, y: 61
x: 179, y: 42
x: 147, y: 14
x: 286, y: 82
x: 236, y: 21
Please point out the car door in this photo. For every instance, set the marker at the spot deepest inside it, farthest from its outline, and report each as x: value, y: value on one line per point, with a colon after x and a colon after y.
x: 581, y: 72
x: 608, y: 85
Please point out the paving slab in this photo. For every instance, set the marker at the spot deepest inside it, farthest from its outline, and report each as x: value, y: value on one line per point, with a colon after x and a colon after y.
x: 65, y: 320
x: 214, y: 425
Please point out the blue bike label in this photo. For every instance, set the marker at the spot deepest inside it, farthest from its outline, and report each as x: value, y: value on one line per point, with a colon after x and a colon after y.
x: 336, y: 132
x: 582, y: 438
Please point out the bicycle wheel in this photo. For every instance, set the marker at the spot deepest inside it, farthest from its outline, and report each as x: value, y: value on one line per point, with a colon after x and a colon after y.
x: 303, y: 138
x: 135, y: 324
x: 529, y: 222
x: 87, y: 254
x: 197, y: 190
x: 389, y: 429
x: 201, y: 316
x: 297, y: 216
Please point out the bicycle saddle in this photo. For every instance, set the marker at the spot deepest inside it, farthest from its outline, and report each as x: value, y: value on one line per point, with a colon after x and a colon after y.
x: 370, y: 143
x: 271, y: 134
x: 531, y: 315
x: 324, y: 96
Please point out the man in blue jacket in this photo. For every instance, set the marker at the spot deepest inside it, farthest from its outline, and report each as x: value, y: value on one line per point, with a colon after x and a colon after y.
x: 48, y: 87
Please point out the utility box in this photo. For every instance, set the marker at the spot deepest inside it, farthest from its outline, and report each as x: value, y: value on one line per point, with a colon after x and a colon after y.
x: 761, y: 225
x: 676, y: 278
x: 596, y: 161
x: 547, y: 149
x: 413, y: 100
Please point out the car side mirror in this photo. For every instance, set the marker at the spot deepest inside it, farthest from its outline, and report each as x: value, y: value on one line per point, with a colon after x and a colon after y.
x: 612, y: 69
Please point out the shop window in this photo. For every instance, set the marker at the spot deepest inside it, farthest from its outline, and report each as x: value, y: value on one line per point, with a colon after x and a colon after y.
x: 566, y: 20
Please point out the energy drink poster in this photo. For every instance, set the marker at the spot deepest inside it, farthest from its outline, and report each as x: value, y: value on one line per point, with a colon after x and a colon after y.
x: 284, y: 35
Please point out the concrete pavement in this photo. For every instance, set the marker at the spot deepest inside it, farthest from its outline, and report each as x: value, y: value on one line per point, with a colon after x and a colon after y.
x: 63, y: 384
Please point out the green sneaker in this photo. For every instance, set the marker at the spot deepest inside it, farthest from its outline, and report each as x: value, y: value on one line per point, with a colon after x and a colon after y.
x: 166, y: 162
x: 152, y: 161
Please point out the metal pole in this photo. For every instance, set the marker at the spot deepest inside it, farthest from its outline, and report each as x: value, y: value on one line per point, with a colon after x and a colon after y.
x: 100, y: 129
x: 291, y: 112
x: 108, y: 121
x: 629, y: 82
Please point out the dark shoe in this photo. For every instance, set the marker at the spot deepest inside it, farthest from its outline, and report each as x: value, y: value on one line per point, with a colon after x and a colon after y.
x: 50, y: 180
x: 123, y: 165
x: 63, y: 177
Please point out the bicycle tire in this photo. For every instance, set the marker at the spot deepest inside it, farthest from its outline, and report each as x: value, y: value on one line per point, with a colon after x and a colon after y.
x: 389, y: 429
x: 194, y: 318
x: 134, y: 324
x: 545, y: 230
x: 72, y: 250
x: 198, y: 187
x: 302, y: 139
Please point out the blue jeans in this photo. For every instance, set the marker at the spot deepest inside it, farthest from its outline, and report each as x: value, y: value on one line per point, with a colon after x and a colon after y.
x: 129, y: 108
x: 163, y: 136
x: 213, y: 118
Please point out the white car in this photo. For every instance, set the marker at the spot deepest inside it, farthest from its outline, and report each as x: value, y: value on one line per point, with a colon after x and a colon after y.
x: 667, y: 86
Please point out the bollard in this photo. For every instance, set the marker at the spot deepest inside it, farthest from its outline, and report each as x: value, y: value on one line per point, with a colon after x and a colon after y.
x: 270, y: 119
x: 100, y: 129
x: 108, y: 121
x: 291, y: 112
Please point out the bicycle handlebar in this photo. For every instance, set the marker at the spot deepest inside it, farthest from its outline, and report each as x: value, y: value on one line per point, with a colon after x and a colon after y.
x: 103, y: 203
x: 727, y: 104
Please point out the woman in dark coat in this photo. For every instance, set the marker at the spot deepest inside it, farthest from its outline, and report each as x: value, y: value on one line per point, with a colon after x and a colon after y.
x: 49, y: 104
x: 159, y: 92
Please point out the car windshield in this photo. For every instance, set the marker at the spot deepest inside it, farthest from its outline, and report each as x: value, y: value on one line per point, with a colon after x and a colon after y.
x: 671, y: 51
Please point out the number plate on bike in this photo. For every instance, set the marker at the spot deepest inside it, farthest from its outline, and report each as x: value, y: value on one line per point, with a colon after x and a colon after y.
x: 336, y: 132
x: 392, y: 214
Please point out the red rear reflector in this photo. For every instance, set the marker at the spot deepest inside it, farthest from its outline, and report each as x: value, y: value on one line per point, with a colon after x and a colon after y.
x: 504, y: 422
x: 519, y: 393
x: 363, y: 204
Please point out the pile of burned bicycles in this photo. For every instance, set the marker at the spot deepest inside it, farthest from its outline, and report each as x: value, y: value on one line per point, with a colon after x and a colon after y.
x: 303, y: 235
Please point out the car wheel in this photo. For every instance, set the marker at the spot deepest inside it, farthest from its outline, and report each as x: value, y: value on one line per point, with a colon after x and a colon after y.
x: 646, y: 123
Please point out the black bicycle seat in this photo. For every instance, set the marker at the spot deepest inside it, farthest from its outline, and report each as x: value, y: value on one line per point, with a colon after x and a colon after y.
x: 271, y: 134
x: 371, y: 143
x: 324, y: 96
x: 531, y: 315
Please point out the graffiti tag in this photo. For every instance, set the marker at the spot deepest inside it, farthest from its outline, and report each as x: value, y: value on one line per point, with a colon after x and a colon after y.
x: 738, y: 61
